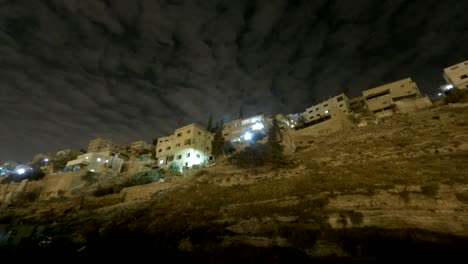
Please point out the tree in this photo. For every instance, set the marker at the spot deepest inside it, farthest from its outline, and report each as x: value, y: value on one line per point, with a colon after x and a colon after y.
x: 59, y: 162
x: 274, y: 137
x: 218, y: 142
x: 209, y: 127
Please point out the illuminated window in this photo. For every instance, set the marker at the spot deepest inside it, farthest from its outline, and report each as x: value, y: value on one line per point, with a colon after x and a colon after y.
x: 161, y: 161
x: 98, y: 159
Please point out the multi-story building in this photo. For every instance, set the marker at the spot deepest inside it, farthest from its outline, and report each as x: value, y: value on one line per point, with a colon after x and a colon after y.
x: 457, y: 75
x: 358, y: 105
x: 189, y: 145
x: 325, y: 108
x: 100, y: 145
x: 96, y: 162
x: 381, y: 100
x: 242, y: 131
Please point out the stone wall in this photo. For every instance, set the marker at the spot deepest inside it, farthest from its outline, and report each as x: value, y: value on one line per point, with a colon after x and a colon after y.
x: 413, y: 105
x: 142, y: 192
x: 61, y: 183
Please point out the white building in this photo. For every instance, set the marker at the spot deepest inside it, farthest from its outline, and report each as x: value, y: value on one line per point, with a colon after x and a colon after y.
x: 325, y: 108
x: 382, y: 100
x: 240, y: 132
x: 189, y: 145
x: 96, y: 162
x: 457, y: 75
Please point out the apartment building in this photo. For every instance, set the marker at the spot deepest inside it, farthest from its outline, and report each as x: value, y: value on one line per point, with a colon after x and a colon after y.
x: 242, y: 131
x: 457, y: 75
x: 96, y: 162
x: 381, y: 100
x: 189, y: 145
x: 324, y: 109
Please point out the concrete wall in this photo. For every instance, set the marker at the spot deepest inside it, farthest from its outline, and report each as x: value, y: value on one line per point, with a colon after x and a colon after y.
x: 413, y: 105
x: 457, y: 75
x: 338, y: 121
x: 10, y: 190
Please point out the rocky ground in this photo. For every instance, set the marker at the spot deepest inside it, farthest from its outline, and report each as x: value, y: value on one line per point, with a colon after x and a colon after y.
x: 394, y: 189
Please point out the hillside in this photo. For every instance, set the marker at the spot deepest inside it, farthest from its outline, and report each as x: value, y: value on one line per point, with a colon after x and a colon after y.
x: 394, y: 188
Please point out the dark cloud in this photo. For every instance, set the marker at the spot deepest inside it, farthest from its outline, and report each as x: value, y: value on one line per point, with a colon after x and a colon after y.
x: 128, y: 70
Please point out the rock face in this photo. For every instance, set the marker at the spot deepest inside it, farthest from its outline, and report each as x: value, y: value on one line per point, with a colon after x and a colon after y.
x: 385, y: 191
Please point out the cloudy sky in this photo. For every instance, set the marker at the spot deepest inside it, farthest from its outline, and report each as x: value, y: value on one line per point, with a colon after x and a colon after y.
x: 71, y: 70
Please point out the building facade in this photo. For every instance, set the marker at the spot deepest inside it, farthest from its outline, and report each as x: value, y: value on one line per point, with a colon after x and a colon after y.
x: 189, y: 145
x: 457, y: 75
x: 381, y: 100
x: 241, y: 132
x: 96, y: 162
x: 324, y: 109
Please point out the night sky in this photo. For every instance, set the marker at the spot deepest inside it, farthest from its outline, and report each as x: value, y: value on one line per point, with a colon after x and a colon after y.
x: 71, y: 70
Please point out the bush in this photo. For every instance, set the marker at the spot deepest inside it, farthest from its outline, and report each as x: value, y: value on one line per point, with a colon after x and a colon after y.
x: 27, y: 197
x: 89, y: 177
x: 456, y: 96
x: 257, y: 155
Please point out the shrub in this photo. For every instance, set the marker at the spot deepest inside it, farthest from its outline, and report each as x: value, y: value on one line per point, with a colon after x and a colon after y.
x: 89, y: 177
x: 456, y: 96
x: 27, y: 197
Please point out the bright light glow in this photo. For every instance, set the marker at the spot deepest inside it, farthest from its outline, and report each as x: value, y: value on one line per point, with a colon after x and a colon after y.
x: 91, y: 170
x: 98, y: 159
x: 20, y: 171
x: 439, y: 94
x: 448, y: 87
x: 161, y: 161
x: 107, y: 161
x: 292, y: 126
x: 257, y: 126
x: 247, y: 136
x: 46, y: 159
x: 87, y: 157
x: 326, y: 111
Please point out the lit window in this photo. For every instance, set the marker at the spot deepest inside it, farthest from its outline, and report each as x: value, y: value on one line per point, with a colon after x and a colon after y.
x: 107, y: 161
x: 161, y: 161
x: 257, y: 126
x: 247, y: 136
x: 326, y: 111
x: 98, y: 159
x: 91, y: 170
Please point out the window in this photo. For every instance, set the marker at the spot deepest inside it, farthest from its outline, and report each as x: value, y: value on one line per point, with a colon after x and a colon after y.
x: 311, y: 111
x: 227, y: 134
x: 401, y: 86
x: 179, y: 157
x: 341, y: 105
x: 208, y: 148
x: 170, y: 158
x: 160, y: 150
x: 464, y: 76
x: 166, y: 140
x: 188, y: 155
x: 199, y: 133
x: 325, y: 105
x: 188, y: 131
x: 177, y: 145
x: 179, y: 134
x: 188, y: 142
x: 198, y: 156
x: 318, y: 114
x: 339, y: 99
x: 316, y: 109
x: 160, y: 141
x: 168, y: 148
